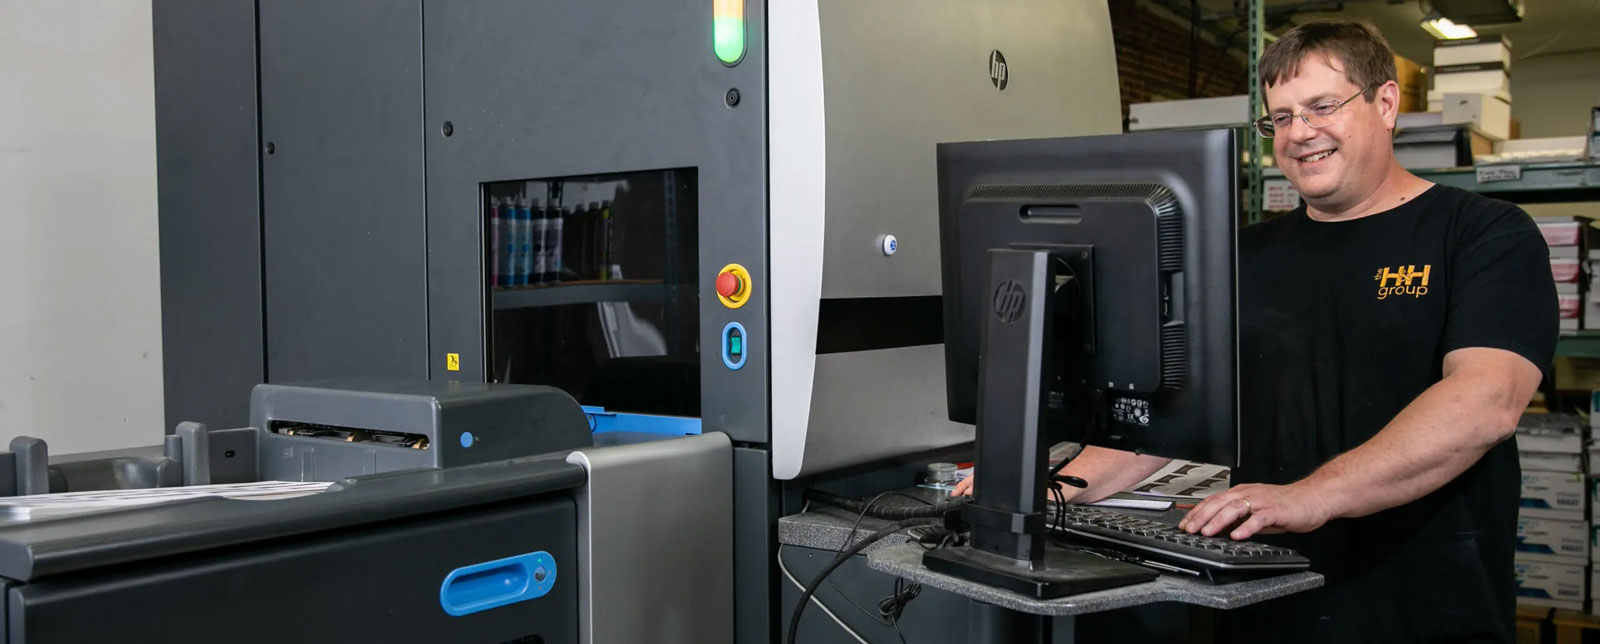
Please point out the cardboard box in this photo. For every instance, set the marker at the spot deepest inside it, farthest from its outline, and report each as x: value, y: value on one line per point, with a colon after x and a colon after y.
x: 1476, y: 78
x: 1550, y: 461
x: 1553, y: 495
x: 1531, y: 623
x: 1490, y: 114
x: 1577, y: 374
x: 1551, y: 433
x: 1413, y: 84
x: 1436, y: 98
x: 1567, y: 231
x: 1553, y: 149
x: 1418, y: 119
x: 1478, y: 49
x: 1543, y: 583
x: 1565, y: 269
x: 1571, y: 311
x: 1443, y: 146
x: 1552, y: 540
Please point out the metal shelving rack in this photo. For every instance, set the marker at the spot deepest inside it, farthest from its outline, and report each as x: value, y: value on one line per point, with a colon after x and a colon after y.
x: 1253, y: 161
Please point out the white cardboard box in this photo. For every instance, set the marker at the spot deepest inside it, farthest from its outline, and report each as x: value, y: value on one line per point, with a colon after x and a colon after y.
x: 1553, y: 540
x: 1478, y: 78
x: 1565, y: 269
x: 1550, y: 461
x: 1436, y: 99
x: 1490, y: 114
x: 1478, y: 49
x: 1553, y: 495
x: 1550, y: 433
x: 1571, y: 308
x: 1542, y: 582
x: 1564, y: 231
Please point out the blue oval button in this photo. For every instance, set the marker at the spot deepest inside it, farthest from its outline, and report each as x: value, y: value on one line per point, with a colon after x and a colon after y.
x: 466, y: 439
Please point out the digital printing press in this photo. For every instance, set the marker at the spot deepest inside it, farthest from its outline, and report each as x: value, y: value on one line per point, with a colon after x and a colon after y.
x: 577, y: 299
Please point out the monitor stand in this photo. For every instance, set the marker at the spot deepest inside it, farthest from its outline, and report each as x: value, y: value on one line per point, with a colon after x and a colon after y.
x: 1008, y: 548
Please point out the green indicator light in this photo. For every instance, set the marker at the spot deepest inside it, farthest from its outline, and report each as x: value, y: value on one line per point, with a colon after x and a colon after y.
x: 737, y: 346
x: 727, y: 30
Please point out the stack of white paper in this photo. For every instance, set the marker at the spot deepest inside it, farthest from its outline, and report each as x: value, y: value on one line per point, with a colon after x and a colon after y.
x: 40, y: 506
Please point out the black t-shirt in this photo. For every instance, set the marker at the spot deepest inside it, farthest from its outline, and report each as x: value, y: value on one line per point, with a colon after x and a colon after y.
x: 1344, y: 324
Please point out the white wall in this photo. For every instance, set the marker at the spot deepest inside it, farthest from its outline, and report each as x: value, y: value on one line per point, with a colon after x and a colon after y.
x: 1552, y: 95
x: 80, y: 308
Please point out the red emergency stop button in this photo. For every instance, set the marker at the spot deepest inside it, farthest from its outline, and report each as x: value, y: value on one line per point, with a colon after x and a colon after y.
x: 733, y: 286
x: 728, y: 285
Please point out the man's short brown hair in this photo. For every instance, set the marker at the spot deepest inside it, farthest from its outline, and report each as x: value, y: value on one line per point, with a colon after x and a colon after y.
x: 1366, y: 57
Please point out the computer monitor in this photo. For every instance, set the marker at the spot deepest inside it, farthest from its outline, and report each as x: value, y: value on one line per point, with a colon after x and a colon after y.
x: 1089, y: 295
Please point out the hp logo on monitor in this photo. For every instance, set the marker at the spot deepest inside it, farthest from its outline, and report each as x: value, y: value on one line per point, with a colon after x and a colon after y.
x: 1009, y: 301
x: 997, y: 69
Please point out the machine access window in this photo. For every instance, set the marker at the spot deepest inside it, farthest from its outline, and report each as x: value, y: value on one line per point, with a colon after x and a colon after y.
x: 592, y: 287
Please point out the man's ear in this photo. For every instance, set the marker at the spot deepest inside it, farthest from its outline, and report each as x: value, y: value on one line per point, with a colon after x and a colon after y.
x: 1388, y: 100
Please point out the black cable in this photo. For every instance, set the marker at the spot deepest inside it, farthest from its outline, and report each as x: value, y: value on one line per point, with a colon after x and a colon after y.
x: 864, y: 510
x: 894, y: 605
x: 843, y: 556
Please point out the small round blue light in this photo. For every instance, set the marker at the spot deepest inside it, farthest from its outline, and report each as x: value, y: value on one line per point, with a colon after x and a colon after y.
x: 466, y: 439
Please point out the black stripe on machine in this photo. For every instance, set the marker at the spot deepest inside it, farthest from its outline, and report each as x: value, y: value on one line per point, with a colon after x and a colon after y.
x: 871, y: 323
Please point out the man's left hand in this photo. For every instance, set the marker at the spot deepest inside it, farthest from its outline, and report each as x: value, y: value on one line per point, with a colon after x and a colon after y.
x: 1262, y: 509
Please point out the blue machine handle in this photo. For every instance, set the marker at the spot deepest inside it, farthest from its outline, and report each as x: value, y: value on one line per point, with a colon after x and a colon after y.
x: 493, y: 584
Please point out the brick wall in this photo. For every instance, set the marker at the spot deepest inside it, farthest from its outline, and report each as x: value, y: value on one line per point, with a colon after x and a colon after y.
x: 1153, y: 58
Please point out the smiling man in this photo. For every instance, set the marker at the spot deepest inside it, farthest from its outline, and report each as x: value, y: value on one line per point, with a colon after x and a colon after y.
x: 1391, y: 333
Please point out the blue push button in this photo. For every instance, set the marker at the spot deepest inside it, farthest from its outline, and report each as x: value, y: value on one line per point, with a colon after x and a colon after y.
x: 493, y: 584
x: 734, y: 345
x: 467, y: 439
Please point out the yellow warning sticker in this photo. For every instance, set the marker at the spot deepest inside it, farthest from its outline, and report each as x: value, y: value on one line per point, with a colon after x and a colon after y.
x: 452, y: 361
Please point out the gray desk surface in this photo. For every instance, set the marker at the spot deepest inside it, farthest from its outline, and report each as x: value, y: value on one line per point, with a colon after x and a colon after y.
x: 826, y: 528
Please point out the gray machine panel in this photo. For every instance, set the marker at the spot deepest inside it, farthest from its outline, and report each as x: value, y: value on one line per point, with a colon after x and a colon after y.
x: 854, y: 141
x: 675, y: 583
x: 210, y: 219
x: 341, y: 106
x: 755, y: 515
x: 535, y: 90
x: 882, y: 126
x: 458, y: 423
x: 371, y: 584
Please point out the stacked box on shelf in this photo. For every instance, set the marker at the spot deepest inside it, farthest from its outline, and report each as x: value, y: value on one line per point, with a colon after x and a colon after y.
x: 1543, y: 583
x: 1551, y: 443
x: 1572, y: 240
x: 1553, y: 535
x: 1472, y: 83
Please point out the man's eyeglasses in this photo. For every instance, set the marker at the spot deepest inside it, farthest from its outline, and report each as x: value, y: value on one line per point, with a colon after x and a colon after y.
x: 1316, y: 116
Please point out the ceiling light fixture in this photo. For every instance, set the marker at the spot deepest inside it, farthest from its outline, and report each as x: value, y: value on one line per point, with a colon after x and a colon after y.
x: 1443, y: 29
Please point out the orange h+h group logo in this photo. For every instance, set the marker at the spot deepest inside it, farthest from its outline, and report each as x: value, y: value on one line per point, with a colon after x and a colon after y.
x: 1403, y: 280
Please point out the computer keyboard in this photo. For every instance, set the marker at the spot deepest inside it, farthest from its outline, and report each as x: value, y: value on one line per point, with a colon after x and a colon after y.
x: 1165, y: 543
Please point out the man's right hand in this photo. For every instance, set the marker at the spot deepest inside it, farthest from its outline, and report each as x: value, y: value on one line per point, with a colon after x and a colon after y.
x: 1108, y: 471
x: 964, y: 488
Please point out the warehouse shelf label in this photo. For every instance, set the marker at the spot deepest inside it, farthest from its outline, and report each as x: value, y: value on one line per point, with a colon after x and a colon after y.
x: 1488, y: 173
